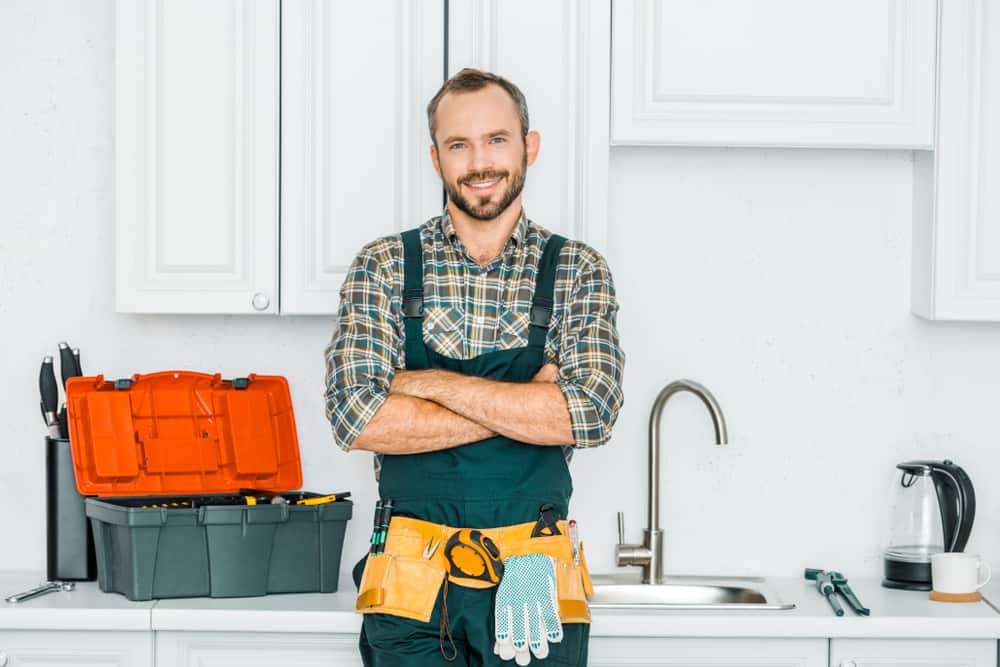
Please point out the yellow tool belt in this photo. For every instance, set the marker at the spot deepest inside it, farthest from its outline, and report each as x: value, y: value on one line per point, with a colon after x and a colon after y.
x: 405, y: 579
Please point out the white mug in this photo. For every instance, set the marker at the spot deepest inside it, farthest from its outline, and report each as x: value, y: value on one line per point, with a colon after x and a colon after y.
x: 957, y: 573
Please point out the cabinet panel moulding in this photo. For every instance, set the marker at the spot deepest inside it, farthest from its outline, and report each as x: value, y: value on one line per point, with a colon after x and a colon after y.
x: 758, y: 93
x: 196, y: 154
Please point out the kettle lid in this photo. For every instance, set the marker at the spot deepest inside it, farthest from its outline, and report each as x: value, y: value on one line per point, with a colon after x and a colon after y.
x: 922, y: 468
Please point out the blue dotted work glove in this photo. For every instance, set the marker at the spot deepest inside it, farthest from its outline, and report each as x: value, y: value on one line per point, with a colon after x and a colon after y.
x: 527, y: 610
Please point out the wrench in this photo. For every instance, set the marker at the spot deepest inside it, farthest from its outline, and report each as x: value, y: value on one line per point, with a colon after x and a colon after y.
x: 42, y: 590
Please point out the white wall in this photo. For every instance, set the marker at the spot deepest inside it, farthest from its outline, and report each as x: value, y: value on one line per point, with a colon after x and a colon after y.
x: 777, y: 278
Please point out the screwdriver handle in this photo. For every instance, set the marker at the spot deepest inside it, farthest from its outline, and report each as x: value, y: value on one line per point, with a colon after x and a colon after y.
x: 67, y: 364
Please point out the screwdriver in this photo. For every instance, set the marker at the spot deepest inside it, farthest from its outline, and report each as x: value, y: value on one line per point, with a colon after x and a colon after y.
x: 320, y: 500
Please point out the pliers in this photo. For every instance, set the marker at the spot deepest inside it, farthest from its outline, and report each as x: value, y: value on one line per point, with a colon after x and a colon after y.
x: 829, y: 583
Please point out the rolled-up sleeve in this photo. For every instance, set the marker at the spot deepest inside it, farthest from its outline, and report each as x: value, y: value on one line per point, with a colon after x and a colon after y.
x: 362, y: 355
x: 591, y: 360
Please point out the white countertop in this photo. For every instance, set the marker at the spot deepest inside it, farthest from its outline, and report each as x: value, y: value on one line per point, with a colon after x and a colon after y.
x: 85, y: 608
x: 895, y: 614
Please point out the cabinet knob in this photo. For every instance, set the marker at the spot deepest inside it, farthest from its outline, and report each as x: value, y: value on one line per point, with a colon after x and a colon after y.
x: 848, y: 663
x: 260, y: 302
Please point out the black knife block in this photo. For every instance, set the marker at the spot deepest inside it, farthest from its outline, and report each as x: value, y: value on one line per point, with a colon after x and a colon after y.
x: 69, y: 537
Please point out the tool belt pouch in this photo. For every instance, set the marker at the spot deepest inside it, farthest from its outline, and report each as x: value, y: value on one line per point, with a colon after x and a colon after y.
x: 574, y: 588
x: 399, y: 585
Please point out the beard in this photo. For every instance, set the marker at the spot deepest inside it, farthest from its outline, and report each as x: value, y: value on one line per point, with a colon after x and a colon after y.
x: 482, y: 208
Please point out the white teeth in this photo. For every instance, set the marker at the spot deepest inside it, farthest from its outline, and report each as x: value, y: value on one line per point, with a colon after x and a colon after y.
x: 484, y: 184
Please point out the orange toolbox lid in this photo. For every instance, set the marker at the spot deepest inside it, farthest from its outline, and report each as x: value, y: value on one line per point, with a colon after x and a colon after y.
x: 182, y: 432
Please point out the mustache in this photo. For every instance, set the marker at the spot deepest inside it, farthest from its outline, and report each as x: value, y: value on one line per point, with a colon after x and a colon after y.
x: 480, y: 176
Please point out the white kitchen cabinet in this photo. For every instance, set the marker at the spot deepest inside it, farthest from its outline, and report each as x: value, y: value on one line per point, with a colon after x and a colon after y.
x: 196, y: 156
x: 232, y: 649
x: 648, y: 651
x: 49, y: 648
x: 956, y: 206
x: 356, y: 78
x: 855, y: 73
x: 557, y: 54
x: 913, y: 652
x: 197, y: 147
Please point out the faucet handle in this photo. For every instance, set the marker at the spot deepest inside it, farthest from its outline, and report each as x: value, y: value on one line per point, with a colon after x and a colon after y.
x: 621, y: 528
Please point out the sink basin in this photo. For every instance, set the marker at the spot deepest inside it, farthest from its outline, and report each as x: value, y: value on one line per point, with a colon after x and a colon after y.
x: 694, y: 592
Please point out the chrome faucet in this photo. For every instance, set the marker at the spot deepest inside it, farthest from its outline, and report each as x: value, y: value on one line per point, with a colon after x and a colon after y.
x: 649, y: 554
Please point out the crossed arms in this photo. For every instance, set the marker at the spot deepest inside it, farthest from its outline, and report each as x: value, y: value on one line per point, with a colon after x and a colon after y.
x: 374, y: 405
x: 437, y: 409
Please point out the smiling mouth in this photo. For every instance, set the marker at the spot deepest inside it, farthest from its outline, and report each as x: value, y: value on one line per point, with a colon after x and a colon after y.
x: 482, y: 186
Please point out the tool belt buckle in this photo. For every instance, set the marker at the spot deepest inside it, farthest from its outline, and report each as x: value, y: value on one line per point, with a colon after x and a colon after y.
x: 473, y: 559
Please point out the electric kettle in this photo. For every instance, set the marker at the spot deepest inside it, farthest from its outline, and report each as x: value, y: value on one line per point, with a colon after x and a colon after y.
x: 933, y: 509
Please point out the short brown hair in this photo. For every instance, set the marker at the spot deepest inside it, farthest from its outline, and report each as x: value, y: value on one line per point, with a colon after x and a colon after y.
x: 469, y: 80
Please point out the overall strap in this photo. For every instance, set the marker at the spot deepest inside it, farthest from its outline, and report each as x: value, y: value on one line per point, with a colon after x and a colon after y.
x: 541, y: 304
x: 413, y: 300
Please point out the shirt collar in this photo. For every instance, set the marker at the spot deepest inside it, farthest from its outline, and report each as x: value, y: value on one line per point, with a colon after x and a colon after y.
x: 516, y: 238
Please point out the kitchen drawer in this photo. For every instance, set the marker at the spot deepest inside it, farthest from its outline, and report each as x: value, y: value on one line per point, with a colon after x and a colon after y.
x: 232, y: 649
x: 51, y: 648
x: 913, y: 652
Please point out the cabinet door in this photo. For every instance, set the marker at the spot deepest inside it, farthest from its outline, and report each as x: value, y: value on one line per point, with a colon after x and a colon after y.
x: 853, y: 73
x: 244, y: 649
x: 913, y: 652
x: 956, y: 206
x: 45, y: 648
x: 648, y: 651
x: 557, y: 54
x: 196, y: 156
x: 356, y: 78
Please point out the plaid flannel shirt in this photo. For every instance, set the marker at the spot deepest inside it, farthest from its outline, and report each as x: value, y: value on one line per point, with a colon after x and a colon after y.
x: 470, y: 310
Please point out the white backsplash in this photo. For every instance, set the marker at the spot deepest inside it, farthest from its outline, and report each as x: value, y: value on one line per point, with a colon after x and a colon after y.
x: 778, y: 278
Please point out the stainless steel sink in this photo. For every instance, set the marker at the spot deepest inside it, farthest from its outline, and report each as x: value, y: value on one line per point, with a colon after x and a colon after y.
x: 727, y: 593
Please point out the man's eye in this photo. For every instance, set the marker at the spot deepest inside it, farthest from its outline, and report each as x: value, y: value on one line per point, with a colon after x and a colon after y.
x: 498, y: 139
x: 457, y: 143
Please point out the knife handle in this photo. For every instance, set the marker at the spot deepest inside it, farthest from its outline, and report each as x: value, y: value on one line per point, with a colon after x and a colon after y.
x: 67, y: 364
x: 63, y: 423
x: 49, y: 390
x: 76, y: 360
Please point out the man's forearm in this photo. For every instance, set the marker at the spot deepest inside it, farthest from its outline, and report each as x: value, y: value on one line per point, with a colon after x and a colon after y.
x: 411, y: 425
x: 534, y: 412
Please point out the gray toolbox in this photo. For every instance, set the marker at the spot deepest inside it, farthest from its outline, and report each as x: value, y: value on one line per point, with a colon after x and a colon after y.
x: 189, y: 479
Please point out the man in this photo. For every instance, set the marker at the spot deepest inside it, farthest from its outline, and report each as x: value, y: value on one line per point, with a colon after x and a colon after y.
x: 472, y: 355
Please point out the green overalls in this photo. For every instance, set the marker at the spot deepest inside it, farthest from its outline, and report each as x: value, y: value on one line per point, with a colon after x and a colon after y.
x: 493, y: 482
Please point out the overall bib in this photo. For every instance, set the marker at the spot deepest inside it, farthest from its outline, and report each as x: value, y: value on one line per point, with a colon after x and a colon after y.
x: 493, y: 482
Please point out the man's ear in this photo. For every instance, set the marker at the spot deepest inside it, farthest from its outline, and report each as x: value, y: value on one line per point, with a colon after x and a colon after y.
x: 532, y: 142
x: 434, y: 159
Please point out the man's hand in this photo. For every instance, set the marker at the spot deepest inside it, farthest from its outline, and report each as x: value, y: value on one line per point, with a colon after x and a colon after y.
x: 407, y: 383
x: 547, y: 373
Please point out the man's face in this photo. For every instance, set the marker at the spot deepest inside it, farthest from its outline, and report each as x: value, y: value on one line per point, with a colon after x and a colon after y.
x: 479, y: 153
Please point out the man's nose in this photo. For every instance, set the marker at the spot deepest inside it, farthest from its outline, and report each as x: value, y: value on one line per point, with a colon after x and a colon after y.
x: 480, y: 159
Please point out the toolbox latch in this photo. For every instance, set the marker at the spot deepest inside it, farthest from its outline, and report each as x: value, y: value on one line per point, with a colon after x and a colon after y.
x: 123, y: 383
x: 241, y: 383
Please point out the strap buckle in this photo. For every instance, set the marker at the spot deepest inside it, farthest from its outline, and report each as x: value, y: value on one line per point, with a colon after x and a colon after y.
x: 541, y: 315
x: 413, y: 305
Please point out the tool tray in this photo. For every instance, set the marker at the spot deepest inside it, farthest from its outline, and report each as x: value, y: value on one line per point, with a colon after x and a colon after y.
x: 163, y: 457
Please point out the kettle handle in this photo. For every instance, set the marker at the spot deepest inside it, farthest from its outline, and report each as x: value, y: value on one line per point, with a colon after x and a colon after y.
x: 958, y: 504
